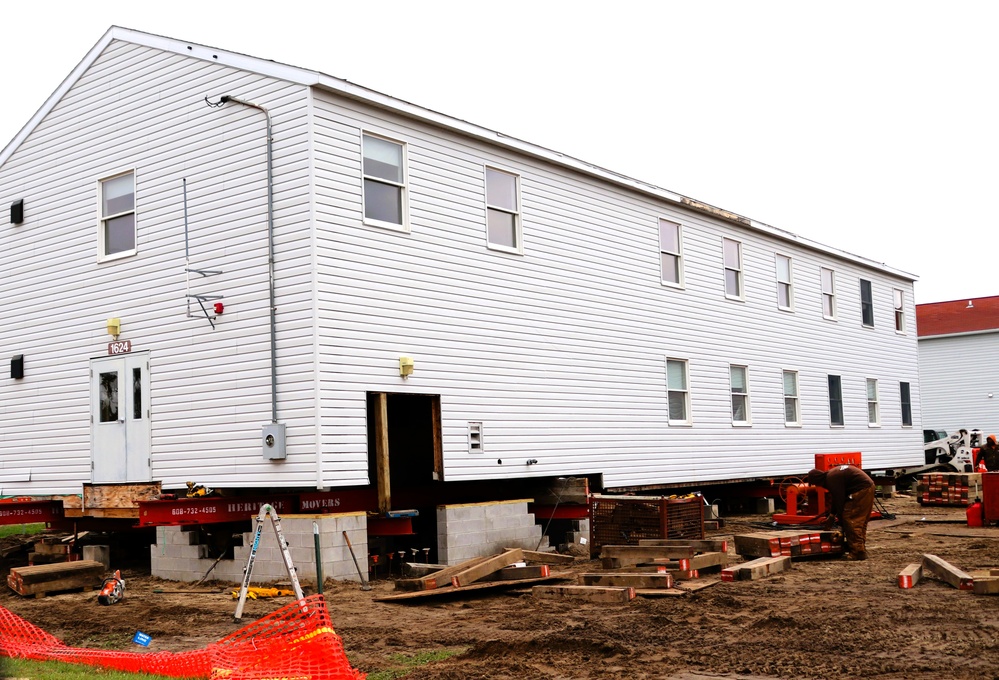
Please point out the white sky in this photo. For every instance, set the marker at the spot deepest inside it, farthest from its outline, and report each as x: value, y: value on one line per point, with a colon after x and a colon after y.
x: 866, y: 126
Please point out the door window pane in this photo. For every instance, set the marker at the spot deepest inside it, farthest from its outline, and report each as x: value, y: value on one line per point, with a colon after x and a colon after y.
x: 137, y: 393
x: 108, y: 396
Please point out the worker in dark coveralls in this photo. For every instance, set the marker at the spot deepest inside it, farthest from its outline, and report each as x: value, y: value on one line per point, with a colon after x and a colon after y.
x: 990, y: 454
x: 851, y: 493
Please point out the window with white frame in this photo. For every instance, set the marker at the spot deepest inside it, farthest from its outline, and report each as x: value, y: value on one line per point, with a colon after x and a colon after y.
x: 792, y: 408
x: 671, y: 257
x: 899, y: 301
x: 785, y: 291
x: 502, y: 210
x: 905, y: 398
x: 867, y: 303
x: 677, y: 393
x: 732, y: 254
x: 836, y: 401
x: 828, y: 277
x: 384, y: 169
x: 873, y: 410
x: 739, y: 383
x: 475, y: 438
x: 117, y: 227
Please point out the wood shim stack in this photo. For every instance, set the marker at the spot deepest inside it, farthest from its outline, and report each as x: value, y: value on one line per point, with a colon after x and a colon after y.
x: 789, y: 543
x: 50, y: 578
x: 941, y: 488
x: 654, y: 568
x: 505, y: 569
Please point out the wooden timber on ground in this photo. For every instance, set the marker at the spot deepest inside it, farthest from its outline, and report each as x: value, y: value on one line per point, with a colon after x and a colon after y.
x: 584, y: 593
x: 948, y: 572
x: 695, y: 563
x: 909, y: 577
x: 437, y: 579
x: 986, y: 582
x: 515, y: 573
x: 635, y: 580
x: 705, y: 545
x: 761, y: 567
x: 42, y: 579
x: 789, y: 543
x: 616, y: 556
x: 449, y: 590
x: 491, y: 564
x: 545, y: 557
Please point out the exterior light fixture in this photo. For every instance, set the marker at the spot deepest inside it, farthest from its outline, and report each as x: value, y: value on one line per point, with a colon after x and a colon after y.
x: 405, y: 366
x: 114, y: 327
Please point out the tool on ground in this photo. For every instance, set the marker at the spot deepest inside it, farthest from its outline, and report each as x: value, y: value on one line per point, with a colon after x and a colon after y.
x: 364, y: 581
x: 265, y: 510
x: 319, y: 558
x: 254, y: 593
x: 112, y: 590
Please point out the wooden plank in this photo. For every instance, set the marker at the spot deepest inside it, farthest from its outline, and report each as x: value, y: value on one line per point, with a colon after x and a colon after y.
x: 988, y: 585
x: 438, y: 579
x: 702, y: 561
x: 382, y: 453
x: 948, y: 572
x: 700, y: 584
x: 635, y: 580
x: 752, y: 570
x: 585, y: 593
x: 438, y: 438
x: 56, y: 581
x: 647, y: 553
x: 40, y: 573
x: 519, y: 573
x: 546, y: 557
x: 472, y: 574
x: 660, y: 592
x: 909, y: 577
x: 446, y: 591
x: 705, y: 545
x: 118, y: 496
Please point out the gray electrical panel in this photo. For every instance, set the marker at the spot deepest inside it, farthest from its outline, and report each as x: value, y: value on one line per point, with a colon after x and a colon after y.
x: 273, y: 442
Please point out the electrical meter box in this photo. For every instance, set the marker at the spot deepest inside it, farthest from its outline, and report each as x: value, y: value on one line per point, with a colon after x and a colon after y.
x: 272, y: 438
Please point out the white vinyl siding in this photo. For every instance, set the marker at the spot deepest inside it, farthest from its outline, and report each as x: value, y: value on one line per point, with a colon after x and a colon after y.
x: 503, y: 222
x: 732, y: 255
x: 670, y: 253
x: 828, y: 279
x: 873, y: 406
x: 739, y: 384
x: 792, y: 402
x: 785, y: 286
x: 958, y: 382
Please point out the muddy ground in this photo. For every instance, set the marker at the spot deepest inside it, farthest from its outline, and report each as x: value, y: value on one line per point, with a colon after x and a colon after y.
x: 825, y: 618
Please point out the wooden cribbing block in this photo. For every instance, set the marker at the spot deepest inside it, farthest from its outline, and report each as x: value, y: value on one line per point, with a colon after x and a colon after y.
x: 909, y: 577
x: 491, y: 564
x: 438, y: 579
x: 753, y: 570
x: 50, y: 578
x: 587, y: 593
x: 614, y: 556
x: 701, y: 545
x: 702, y: 561
x: 948, y: 572
x: 545, y: 557
x: 517, y: 573
x: 987, y: 585
x: 634, y: 580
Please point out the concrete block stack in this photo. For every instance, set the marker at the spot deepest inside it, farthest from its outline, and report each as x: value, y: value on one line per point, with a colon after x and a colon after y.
x: 475, y: 529
x: 942, y: 488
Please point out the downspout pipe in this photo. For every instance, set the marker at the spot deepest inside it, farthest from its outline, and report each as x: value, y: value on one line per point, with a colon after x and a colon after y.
x: 270, y: 244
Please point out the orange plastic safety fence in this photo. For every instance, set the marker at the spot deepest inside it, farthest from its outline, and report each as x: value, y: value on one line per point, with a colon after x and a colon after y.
x: 296, y: 642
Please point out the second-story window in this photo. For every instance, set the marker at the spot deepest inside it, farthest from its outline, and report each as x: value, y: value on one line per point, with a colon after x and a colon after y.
x: 899, y: 300
x: 502, y: 210
x: 785, y: 293
x: 117, y: 228
x: 732, y: 253
x: 828, y: 277
x: 671, y: 257
x: 384, y: 169
x: 866, y: 303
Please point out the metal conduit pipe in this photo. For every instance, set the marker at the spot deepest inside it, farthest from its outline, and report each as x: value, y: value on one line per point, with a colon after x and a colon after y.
x: 270, y: 245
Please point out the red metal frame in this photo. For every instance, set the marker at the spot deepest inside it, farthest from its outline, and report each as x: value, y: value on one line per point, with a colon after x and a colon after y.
x: 827, y: 461
x: 815, y: 504
x: 30, y: 512
x: 188, y: 511
x: 559, y: 512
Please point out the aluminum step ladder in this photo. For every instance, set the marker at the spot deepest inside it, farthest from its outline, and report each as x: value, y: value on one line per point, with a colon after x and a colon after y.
x: 265, y: 510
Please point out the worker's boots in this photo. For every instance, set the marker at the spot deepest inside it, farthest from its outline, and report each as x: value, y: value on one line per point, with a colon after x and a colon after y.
x: 856, y: 556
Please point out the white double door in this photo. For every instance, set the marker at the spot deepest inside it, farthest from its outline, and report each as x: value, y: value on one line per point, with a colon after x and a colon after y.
x: 120, y: 433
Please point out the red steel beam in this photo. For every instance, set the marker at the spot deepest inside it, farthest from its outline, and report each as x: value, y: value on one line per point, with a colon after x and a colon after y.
x: 186, y: 511
x: 30, y: 512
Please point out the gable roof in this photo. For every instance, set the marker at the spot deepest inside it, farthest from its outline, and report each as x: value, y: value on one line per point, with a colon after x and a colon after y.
x: 958, y: 316
x: 344, y: 88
